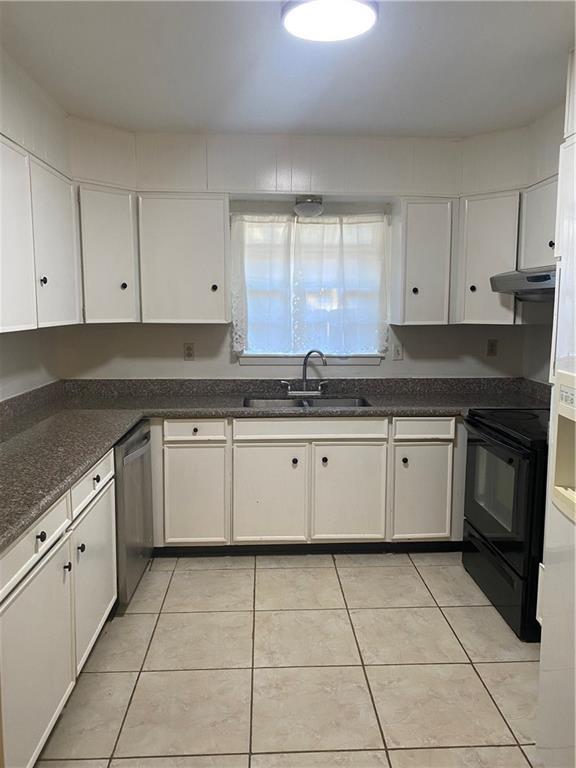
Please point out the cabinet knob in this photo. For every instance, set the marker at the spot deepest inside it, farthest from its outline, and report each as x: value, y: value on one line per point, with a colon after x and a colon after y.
x: 473, y: 288
x: 123, y: 286
x: 97, y: 479
x: 42, y: 536
x: 415, y: 291
x: 68, y: 567
x: 195, y: 431
x: 551, y: 244
x: 324, y: 460
x: 404, y: 460
x: 295, y: 461
x: 82, y: 548
x: 43, y: 280
x: 214, y: 287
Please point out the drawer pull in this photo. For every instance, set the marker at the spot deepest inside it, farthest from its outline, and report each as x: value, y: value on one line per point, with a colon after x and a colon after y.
x: 42, y: 536
x: 82, y: 548
x: 214, y: 288
x: 473, y: 288
x: 123, y: 286
x: 295, y: 462
x: 324, y: 460
x: 68, y: 567
x: 97, y: 479
x: 551, y: 244
x: 43, y: 280
x: 415, y: 291
x: 404, y: 460
x: 195, y: 431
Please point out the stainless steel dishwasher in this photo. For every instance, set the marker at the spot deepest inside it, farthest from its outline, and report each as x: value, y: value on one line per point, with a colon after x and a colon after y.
x: 134, y: 531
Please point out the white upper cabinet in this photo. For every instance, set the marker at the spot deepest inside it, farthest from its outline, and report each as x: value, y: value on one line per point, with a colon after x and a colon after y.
x: 17, y: 281
x: 109, y: 256
x: 570, y: 113
x: 488, y: 246
x: 55, y: 247
x: 421, y: 262
x: 537, y: 225
x: 184, y: 243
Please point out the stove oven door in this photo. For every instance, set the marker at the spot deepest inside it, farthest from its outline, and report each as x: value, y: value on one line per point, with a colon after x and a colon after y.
x: 499, y: 479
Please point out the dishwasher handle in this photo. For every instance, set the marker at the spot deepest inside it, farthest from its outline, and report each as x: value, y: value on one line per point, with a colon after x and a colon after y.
x: 138, y: 451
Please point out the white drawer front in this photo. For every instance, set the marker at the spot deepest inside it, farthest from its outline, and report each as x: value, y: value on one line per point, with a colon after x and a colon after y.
x: 310, y: 428
x: 425, y: 428
x: 20, y: 558
x: 85, y: 489
x: 194, y: 429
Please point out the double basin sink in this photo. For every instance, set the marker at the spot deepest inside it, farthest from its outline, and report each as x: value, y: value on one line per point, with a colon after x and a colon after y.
x: 310, y: 402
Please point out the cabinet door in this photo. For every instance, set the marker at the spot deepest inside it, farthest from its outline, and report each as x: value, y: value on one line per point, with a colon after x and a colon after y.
x: 17, y: 279
x: 422, y: 499
x: 195, y: 494
x: 55, y: 248
x: 537, y: 225
x: 36, y: 656
x: 488, y: 246
x: 427, y: 240
x: 349, y: 491
x: 111, y: 283
x: 94, y: 560
x: 183, y: 253
x: 271, y: 492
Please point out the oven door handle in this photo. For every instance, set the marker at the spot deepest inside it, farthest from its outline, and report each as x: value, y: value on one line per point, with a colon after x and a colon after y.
x: 498, y: 446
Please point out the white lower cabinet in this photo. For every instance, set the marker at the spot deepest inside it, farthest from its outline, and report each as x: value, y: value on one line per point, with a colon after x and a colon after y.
x: 271, y: 492
x: 36, y: 656
x: 196, y: 494
x: 349, y: 491
x: 93, y: 544
x: 422, y: 497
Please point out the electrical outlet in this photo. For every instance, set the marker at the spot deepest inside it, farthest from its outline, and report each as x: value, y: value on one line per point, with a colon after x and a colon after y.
x: 397, y: 350
x: 491, y: 347
x: 189, y: 350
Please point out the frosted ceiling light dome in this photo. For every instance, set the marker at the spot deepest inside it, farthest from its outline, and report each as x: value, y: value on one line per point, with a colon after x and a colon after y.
x: 329, y: 20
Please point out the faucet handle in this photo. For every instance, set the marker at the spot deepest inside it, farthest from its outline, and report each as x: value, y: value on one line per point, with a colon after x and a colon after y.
x: 322, y: 383
x: 285, y: 383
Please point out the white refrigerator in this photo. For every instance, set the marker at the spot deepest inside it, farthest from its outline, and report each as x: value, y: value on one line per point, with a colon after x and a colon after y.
x: 556, y: 738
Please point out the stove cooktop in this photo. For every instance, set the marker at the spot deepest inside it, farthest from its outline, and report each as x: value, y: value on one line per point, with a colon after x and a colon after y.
x: 528, y: 426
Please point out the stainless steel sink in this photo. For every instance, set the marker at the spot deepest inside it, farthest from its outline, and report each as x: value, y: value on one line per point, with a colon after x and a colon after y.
x: 311, y: 402
x: 338, y: 402
x: 271, y: 402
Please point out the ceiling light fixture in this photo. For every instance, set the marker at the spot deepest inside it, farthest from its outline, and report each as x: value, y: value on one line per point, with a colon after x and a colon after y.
x: 329, y: 20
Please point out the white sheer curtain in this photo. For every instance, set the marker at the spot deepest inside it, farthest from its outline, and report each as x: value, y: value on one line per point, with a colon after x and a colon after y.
x: 304, y: 283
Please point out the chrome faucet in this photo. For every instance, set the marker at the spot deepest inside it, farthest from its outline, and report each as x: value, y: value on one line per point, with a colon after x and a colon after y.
x: 305, y: 367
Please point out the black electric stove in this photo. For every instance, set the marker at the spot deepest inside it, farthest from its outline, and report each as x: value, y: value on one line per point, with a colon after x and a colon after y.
x: 504, y: 509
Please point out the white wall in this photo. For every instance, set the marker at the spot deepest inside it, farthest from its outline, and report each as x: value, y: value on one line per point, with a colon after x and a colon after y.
x: 156, y: 351
x: 28, y: 359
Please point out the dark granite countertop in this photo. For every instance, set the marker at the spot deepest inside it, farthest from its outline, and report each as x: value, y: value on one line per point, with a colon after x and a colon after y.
x: 50, y: 437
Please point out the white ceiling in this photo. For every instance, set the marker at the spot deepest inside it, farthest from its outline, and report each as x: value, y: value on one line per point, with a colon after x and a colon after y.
x: 427, y: 68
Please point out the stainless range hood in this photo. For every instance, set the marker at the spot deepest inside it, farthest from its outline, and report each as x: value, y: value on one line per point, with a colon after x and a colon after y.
x: 535, y: 284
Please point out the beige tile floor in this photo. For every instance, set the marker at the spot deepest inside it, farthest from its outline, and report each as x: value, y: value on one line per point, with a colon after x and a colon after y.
x: 351, y: 661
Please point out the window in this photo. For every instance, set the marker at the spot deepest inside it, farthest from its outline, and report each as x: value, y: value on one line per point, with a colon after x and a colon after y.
x: 305, y: 283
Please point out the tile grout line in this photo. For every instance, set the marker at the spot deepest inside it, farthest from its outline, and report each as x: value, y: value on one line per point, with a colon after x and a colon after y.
x: 251, y: 714
x: 114, y: 748
x: 381, y: 730
x: 517, y: 743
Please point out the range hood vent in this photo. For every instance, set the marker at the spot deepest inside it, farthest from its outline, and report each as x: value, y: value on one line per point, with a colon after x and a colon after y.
x: 535, y: 284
